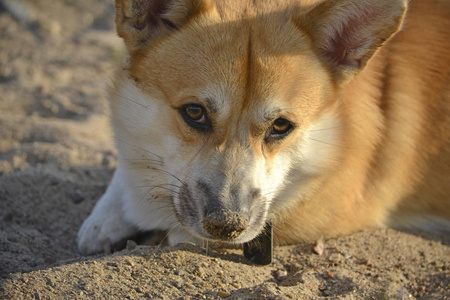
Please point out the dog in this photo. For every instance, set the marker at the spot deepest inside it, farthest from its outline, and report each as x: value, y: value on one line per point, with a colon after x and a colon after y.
x: 321, y: 118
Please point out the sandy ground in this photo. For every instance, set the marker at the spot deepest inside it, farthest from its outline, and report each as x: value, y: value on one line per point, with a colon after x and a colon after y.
x: 56, y: 159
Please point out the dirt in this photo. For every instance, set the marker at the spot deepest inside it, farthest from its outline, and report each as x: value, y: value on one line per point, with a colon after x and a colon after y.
x: 225, y: 225
x: 57, y: 157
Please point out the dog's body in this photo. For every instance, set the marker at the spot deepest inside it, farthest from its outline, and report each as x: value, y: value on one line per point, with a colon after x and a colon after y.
x: 229, y: 115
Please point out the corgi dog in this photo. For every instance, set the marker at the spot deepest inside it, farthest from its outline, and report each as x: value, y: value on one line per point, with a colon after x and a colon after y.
x: 321, y: 118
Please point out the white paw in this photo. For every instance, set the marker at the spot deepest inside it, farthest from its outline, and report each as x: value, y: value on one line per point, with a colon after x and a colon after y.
x: 102, y: 233
x: 106, y: 228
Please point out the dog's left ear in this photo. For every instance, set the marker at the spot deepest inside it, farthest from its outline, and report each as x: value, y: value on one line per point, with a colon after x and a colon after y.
x: 347, y: 33
x: 140, y: 22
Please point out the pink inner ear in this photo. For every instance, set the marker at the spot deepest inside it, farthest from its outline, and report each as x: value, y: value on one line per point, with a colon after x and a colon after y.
x: 349, y: 33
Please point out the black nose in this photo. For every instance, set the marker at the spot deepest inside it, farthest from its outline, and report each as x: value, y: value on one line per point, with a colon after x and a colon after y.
x: 225, y: 225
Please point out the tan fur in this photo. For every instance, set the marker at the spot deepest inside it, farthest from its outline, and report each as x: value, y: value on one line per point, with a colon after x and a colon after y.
x: 402, y: 164
x: 367, y: 88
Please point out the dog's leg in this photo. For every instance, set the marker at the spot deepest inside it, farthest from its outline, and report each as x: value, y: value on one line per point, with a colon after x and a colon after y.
x: 106, y: 227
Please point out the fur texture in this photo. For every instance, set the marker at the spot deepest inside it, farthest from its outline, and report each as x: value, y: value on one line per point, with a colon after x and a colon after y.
x: 325, y: 117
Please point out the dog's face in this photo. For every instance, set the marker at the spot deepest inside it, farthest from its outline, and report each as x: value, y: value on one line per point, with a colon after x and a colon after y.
x: 241, y: 113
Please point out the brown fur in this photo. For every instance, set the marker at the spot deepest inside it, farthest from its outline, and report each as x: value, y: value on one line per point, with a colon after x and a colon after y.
x: 398, y: 137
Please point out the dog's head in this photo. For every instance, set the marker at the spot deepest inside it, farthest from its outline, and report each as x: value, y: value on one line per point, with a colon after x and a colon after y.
x: 240, y: 102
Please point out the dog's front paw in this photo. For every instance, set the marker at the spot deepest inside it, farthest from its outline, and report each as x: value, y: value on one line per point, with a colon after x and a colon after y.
x: 106, y: 229
x: 103, y: 233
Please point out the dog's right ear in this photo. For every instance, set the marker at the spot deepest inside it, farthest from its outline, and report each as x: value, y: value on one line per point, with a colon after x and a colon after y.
x: 141, y: 21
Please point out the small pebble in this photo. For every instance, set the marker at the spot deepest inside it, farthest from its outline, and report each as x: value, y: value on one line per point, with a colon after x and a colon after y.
x: 335, y: 258
x: 281, y: 274
x: 129, y: 262
x: 77, y: 197
x: 50, y: 282
x: 318, y: 248
x: 178, y: 283
x: 200, y: 272
x: 368, y: 263
x: 223, y: 294
x: 131, y: 245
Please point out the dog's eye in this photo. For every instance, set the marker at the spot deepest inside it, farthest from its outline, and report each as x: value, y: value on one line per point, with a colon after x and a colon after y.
x: 280, y: 128
x: 195, y: 116
x: 195, y: 113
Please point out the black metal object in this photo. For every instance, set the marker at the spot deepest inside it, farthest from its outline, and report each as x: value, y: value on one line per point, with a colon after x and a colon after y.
x: 260, y: 249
